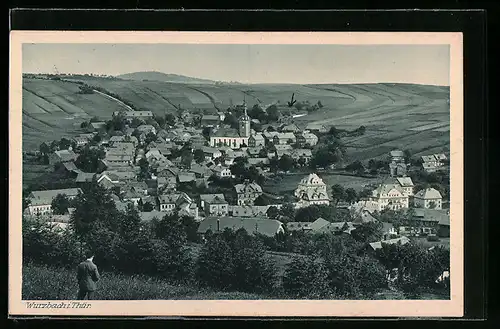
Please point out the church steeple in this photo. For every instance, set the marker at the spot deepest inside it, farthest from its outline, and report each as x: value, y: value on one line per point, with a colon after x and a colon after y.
x: 244, y: 122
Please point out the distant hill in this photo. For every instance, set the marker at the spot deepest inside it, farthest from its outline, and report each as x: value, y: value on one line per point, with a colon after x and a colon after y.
x: 163, y: 77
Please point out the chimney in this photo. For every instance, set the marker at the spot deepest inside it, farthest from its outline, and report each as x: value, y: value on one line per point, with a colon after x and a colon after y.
x: 218, y: 224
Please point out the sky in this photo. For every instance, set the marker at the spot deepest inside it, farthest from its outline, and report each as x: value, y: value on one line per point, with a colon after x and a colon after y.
x: 303, y: 64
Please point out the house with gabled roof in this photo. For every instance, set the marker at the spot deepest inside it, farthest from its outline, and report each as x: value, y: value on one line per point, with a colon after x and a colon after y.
x: 247, y: 192
x: 378, y: 245
x: 311, y: 190
x: 62, y: 156
x: 390, y: 196
x: 428, y: 198
x: 40, y: 202
x: 256, y: 140
x: 264, y: 226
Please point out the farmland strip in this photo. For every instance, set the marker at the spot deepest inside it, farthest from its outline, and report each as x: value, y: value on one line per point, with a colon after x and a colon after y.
x: 48, y: 101
x: 212, y: 100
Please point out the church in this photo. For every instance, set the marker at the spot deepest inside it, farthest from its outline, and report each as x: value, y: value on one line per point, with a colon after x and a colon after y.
x: 234, y: 138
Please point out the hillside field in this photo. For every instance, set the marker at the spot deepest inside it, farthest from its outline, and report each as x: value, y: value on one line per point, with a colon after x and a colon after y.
x: 406, y: 116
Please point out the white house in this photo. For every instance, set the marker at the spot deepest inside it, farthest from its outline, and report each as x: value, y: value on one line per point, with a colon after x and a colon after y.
x: 311, y: 190
x: 40, y: 202
x: 428, y: 198
x: 222, y: 172
x: 390, y: 196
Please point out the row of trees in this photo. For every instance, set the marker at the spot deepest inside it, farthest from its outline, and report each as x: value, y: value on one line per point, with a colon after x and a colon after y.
x: 330, y: 265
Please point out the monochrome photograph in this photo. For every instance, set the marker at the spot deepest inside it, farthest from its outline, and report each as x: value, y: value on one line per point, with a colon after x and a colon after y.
x: 235, y: 171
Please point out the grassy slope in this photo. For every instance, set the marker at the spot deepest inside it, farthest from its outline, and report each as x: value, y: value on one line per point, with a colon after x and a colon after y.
x: 52, y: 109
x: 44, y: 283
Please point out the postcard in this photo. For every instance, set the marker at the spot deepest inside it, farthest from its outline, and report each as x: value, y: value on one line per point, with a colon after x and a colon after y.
x: 236, y: 174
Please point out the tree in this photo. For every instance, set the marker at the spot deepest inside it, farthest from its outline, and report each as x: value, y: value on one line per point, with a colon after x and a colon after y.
x: 144, y: 172
x: 215, y: 265
x: 272, y: 212
x: 351, y: 195
x: 285, y: 162
x: 287, y: 210
x: 338, y: 193
x: 150, y: 137
x: 368, y: 232
x: 159, y: 120
x: 84, y: 124
x: 356, y: 167
x: 407, y: 156
x: 261, y: 200
x: 94, y: 210
x: 187, y: 158
x: 231, y: 120
x: 88, y: 159
x: 273, y: 114
x: 320, y: 105
x: 44, y: 148
x: 148, y: 207
x: 199, y: 156
x: 60, y: 204
x: 170, y: 119
x: 306, y: 277
x: 331, y: 153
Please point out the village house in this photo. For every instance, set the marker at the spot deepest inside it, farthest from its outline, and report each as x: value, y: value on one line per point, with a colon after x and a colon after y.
x: 290, y: 128
x: 298, y: 154
x: 247, y: 192
x: 425, y: 221
x: 62, y: 156
x: 312, y: 227
x: 269, y: 136
x: 248, y: 211
x: 254, y: 152
x: 210, y: 120
x: 363, y: 217
x: 284, y: 138
x: 146, y: 129
x: 318, y: 127
x: 108, y: 180
x: 168, y: 202
x: 338, y: 228
x: 258, y: 162
x: 197, y: 141
x: 134, y: 114
x: 264, y: 226
x: 378, y: 245
x: 222, y: 172
x: 216, y: 206
x: 118, y: 140
x: 40, y: 202
x: 311, y: 190
x: 84, y: 177
x: 428, y: 198
x: 256, y: 140
x: 306, y: 138
x: 200, y: 170
x: 390, y: 196
x: 397, y: 166
x: 80, y: 141
x: 96, y: 126
x: 211, y: 153
x: 118, y: 159
x: 406, y: 185
x: 444, y: 227
x: 282, y: 147
x: 68, y: 169
x: 234, y: 138
x: 433, y: 162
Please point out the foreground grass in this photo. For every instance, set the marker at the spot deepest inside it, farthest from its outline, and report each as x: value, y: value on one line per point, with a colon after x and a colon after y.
x: 45, y: 283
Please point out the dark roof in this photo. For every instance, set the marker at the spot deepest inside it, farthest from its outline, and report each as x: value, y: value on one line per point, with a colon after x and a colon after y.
x: 268, y: 227
x: 226, y: 132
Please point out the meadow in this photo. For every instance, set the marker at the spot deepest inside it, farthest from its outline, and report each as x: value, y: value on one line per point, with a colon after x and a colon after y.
x: 395, y: 115
x: 47, y: 283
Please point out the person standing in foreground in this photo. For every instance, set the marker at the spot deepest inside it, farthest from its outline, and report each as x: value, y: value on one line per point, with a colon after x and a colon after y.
x: 87, y: 276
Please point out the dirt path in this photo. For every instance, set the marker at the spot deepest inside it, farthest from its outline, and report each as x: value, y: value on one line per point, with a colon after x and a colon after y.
x: 114, y: 99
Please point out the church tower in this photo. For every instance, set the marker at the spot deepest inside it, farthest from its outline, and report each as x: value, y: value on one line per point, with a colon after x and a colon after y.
x: 244, y: 123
